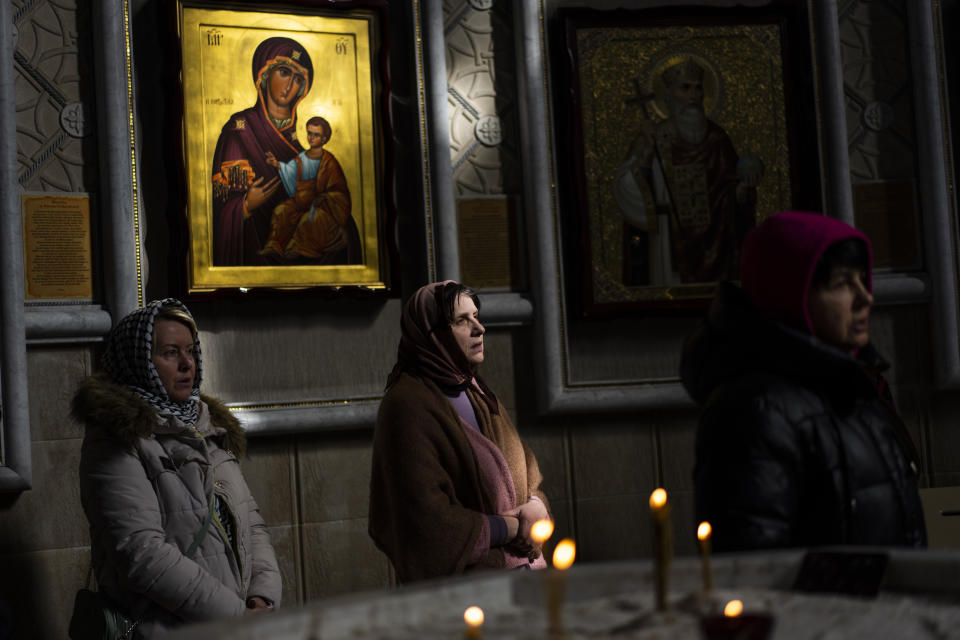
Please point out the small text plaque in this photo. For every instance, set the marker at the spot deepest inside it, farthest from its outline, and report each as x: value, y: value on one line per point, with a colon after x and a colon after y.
x: 486, y: 242
x: 57, y: 253
x: 885, y: 212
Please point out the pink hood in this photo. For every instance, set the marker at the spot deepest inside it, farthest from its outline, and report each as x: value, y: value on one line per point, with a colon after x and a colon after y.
x: 778, y: 260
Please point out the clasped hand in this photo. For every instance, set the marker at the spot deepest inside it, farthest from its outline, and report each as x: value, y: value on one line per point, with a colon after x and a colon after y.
x: 256, y: 604
x: 525, y: 515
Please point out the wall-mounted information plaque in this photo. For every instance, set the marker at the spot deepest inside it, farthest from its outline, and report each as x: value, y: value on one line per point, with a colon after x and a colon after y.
x: 56, y: 247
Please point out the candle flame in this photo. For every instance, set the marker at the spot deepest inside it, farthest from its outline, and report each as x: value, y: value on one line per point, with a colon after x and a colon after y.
x: 733, y: 609
x: 473, y: 616
x: 704, y: 531
x: 541, y: 530
x: 658, y: 499
x: 564, y: 554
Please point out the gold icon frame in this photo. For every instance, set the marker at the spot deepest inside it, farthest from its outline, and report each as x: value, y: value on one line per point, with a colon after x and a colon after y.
x: 216, y: 47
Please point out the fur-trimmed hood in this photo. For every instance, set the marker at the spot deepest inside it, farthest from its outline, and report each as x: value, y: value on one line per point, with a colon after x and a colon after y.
x: 125, y: 415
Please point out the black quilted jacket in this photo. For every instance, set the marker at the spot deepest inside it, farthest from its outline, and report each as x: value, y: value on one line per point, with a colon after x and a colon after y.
x: 798, y: 442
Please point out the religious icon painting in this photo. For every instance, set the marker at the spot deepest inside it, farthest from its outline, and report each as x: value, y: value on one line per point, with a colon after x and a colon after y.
x: 689, y: 129
x: 282, y: 123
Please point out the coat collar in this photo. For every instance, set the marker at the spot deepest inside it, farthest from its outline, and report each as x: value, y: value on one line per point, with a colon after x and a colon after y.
x: 737, y: 339
x: 125, y: 415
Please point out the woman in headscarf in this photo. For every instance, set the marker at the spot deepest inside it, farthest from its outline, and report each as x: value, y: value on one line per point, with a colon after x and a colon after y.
x: 799, y: 443
x: 176, y: 536
x: 453, y: 486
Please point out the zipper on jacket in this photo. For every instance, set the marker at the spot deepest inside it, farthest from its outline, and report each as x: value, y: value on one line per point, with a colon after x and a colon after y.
x: 233, y: 544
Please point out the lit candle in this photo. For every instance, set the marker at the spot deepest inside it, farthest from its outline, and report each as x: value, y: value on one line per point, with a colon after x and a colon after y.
x: 473, y: 616
x: 733, y: 609
x: 563, y: 556
x: 660, y: 514
x: 703, y: 535
x: 541, y: 530
x: 734, y: 624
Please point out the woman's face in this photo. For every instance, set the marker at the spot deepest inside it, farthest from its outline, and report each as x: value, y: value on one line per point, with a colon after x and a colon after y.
x: 467, y: 329
x: 174, y: 358
x: 284, y: 85
x: 840, y: 309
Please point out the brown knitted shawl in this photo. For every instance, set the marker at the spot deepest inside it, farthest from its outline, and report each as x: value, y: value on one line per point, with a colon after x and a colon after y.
x: 427, y: 496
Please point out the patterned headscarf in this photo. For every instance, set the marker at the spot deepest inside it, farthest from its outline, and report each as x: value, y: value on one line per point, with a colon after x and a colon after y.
x: 128, y: 360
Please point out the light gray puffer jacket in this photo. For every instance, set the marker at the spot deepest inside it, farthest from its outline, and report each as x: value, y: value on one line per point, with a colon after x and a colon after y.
x: 145, y: 483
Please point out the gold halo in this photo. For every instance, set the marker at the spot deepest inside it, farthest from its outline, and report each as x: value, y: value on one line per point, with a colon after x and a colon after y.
x: 652, y: 78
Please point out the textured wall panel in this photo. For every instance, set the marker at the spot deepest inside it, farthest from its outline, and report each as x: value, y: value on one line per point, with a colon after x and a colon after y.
x: 54, y: 106
x: 877, y: 88
x: 481, y: 88
x: 878, y: 97
x: 319, y: 351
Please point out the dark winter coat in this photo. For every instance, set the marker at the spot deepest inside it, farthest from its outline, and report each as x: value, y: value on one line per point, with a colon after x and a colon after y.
x: 798, y: 445
x: 145, y: 484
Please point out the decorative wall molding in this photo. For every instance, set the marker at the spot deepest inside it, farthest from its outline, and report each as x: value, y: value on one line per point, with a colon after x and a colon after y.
x: 309, y: 417
x: 66, y: 323
x: 937, y: 203
x: 893, y: 288
x: 834, y: 153
x: 123, y: 256
x: 15, y: 463
x: 444, y: 228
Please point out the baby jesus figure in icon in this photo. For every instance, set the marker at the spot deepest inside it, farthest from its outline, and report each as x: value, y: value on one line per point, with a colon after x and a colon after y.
x: 311, y: 221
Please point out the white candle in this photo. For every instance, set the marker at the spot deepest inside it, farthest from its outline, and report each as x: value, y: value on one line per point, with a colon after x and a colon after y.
x: 563, y: 556
x: 473, y: 616
x: 704, y: 532
x: 660, y: 515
